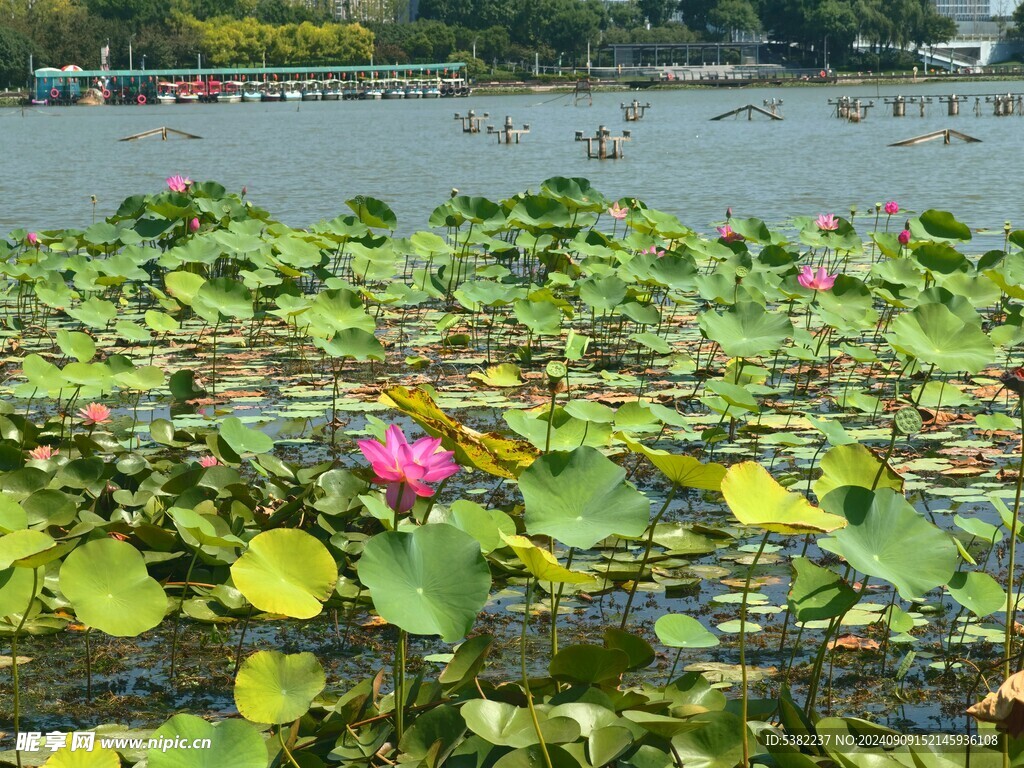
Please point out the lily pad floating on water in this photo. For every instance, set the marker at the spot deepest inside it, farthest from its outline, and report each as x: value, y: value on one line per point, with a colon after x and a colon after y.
x: 110, y: 589
x: 286, y: 571
x: 273, y: 687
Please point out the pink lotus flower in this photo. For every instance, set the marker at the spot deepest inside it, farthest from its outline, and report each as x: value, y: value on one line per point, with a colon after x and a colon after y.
x: 904, y: 237
x: 618, y: 213
x: 728, y: 234
x: 816, y: 281
x: 32, y: 239
x: 892, y: 207
x: 653, y: 250
x: 208, y: 461
x: 827, y: 222
x: 178, y: 183
x: 406, y: 469
x: 42, y: 453
x: 94, y: 413
x: 194, y: 225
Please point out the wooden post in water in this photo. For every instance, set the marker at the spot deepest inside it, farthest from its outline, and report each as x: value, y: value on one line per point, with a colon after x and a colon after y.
x: 471, y: 123
x: 507, y: 132
x: 608, y: 147
x: 635, y: 111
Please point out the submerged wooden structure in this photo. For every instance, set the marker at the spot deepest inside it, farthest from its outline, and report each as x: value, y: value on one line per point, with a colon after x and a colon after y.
x: 163, y: 132
x: 750, y: 109
x: 947, y: 135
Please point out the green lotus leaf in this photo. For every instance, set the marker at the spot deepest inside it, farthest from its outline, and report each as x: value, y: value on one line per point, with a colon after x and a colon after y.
x: 978, y: 592
x: 233, y: 744
x: 243, y: 439
x: 853, y: 464
x: 581, y: 497
x: 352, y: 342
x: 718, y: 743
x: 511, y: 726
x: 16, y: 590
x: 184, y: 286
x: 757, y: 499
x: 588, y: 664
x: 818, y: 593
x: 746, y: 330
x: 96, y: 313
x: 677, y: 630
x: 373, y: 212
x: 110, y: 589
x: 76, y: 344
x: 938, y: 226
x: 889, y: 539
x: 432, y: 581
x: 286, y: 571
x: 22, y: 544
x: 606, y: 744
x: 936, y: 336
x: 273, y: 687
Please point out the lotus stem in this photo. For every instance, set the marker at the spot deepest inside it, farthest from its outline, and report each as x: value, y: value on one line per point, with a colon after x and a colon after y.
x: 1010, y: 607
x: 743, y: 650
x: 14, y: 661
x: 526, y: 677
x: 399, y: 674
x: 648, y: 546
x: 555, y: 600
x: 241, y: 641
x: 885, y: 460
x: 177, y: 613
x: 88, y: 666
x: 284, y: 747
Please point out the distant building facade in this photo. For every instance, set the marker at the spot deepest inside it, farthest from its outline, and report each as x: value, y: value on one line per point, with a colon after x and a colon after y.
x: 964, y: 10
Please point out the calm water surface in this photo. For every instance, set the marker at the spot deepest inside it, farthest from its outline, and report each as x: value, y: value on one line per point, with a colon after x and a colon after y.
x: 303, y: 161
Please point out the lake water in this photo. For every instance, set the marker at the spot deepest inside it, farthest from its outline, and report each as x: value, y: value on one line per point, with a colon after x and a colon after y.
x: 303, y: 161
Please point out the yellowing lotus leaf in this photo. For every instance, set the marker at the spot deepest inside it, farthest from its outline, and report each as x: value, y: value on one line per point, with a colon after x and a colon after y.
x: 757, y: 499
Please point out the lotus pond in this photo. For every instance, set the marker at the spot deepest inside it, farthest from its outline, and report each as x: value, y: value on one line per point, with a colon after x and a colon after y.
x: 557, y: 481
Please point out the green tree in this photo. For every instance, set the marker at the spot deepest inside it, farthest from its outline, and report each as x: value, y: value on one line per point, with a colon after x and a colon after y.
x: 657, y: 12
x: 15, y: 49
x: 731, y: 16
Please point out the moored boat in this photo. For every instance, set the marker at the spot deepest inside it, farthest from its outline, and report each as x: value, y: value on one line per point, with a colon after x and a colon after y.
x: 230, y: 92
x: 394, y: 91
x: 332, y: 90
x: 272, y: 92
x: 290, y: 91
x: 166, y: 93
x: 312, y: 90
x: 251, y: 92
x: 187, y: 93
